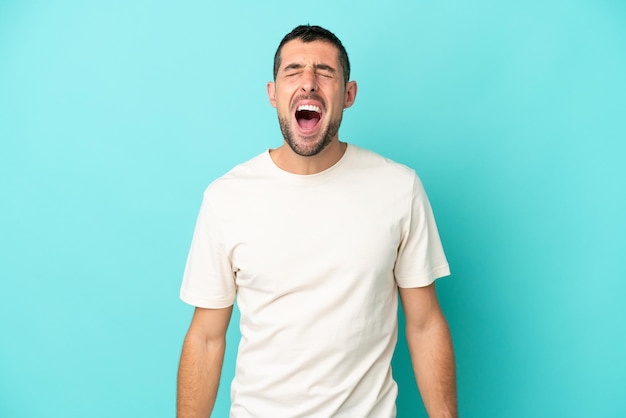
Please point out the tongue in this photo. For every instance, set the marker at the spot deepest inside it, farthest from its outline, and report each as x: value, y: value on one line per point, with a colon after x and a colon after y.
x: 307, y: 123
x: 307, y: 120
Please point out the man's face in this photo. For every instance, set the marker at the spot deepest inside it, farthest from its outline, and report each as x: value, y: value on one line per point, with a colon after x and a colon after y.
x: 309, y: 95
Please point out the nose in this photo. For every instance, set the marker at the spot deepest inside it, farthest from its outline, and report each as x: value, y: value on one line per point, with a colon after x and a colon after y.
x: 309, y: 82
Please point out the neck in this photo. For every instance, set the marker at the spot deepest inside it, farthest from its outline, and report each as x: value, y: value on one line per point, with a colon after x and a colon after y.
x: 289, y: 161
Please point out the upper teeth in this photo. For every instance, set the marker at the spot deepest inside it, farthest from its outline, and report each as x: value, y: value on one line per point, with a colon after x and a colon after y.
x: 310, y: 108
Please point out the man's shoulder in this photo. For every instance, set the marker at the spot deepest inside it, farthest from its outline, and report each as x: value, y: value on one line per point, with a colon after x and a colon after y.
x: 253, y: 169
x: 378, y: 164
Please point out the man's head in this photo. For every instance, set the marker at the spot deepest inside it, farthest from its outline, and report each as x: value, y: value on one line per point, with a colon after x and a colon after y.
x: 311, y: 88
x: 307, y: 33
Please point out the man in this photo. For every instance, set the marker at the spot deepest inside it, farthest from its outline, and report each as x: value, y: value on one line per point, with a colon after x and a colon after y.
x: 314, y: 239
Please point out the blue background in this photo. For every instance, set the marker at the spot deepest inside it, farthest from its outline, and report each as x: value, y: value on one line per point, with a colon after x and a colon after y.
x: 114, y: 116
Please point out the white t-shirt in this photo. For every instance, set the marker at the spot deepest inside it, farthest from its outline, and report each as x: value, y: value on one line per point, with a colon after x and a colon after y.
x: 314, y: 262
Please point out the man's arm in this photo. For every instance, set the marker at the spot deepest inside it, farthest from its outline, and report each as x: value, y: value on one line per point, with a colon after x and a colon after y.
x: 430, y: 345
x: 201, y: 362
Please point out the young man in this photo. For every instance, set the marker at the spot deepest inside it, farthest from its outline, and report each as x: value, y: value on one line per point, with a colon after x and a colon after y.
x: 315, y: 239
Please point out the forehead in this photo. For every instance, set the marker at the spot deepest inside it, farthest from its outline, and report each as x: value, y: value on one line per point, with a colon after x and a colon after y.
x: 316, y: 52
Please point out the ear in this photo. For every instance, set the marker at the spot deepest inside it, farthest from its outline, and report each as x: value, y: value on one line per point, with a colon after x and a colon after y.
x: 350, y: 95
x: 271, y: 92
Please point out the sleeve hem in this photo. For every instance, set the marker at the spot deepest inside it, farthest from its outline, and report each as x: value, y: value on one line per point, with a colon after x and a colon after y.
x: 215, y: 303
x: 424, y: 280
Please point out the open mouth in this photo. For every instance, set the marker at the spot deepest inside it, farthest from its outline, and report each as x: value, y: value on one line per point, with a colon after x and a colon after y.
x: 308, y: 117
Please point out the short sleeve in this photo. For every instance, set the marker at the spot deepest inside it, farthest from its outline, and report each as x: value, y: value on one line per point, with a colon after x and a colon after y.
x: 421, y: 259
x: 208, y: 280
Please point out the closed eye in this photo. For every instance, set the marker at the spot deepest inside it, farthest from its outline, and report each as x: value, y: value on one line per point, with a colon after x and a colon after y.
x: 292, y: 69
x: 325, y: 70
x: 326, y: 74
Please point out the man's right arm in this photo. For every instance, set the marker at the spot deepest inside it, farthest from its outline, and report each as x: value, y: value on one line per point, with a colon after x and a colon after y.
x: 201, y: 362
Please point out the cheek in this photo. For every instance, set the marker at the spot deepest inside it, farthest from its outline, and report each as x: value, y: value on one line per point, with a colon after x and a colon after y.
x: 282, y: 106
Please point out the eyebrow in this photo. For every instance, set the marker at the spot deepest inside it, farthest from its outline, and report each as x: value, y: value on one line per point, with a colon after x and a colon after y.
x: 296, y: 66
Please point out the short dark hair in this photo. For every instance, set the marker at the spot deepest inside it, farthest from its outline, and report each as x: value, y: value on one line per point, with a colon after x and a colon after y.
x: 308, y: 33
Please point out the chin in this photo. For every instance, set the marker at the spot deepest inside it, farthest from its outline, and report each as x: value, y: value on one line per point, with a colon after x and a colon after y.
x: 306, y: 148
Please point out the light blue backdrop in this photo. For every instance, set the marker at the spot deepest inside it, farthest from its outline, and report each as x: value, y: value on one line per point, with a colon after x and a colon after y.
x: 114, y: 116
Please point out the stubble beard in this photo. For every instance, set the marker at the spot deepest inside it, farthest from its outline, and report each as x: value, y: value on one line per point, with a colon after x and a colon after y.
x: 317, y: 146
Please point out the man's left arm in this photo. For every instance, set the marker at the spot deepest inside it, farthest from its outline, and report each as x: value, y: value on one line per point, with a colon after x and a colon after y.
x: 430, y: 346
